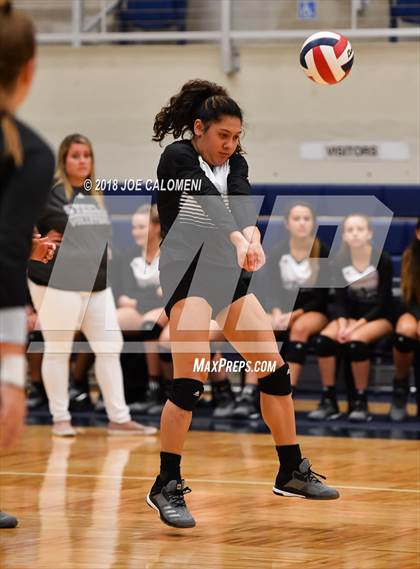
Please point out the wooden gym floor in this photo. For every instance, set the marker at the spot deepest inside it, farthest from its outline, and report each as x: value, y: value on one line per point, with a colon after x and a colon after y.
x: 81, y: 505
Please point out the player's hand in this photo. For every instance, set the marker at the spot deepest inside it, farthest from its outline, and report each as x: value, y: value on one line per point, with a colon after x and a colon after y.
x: 255, y: 258
x: 343, y: 335
x: 284, y: 320
x: 12, y: 414
x: 342, y: 331
x: 241, y: 245
x: 42, y: 249
x: 54, y: 236
x: 276, y: 318
x: 31, y: 318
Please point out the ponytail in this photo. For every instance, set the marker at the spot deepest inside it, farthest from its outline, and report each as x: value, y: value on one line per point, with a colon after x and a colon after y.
x: 17, y: 47
x: 11, y: 137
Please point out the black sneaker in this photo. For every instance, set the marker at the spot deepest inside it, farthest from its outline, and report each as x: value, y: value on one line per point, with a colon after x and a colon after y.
x: 7, y: 521
x: 159, y: 397
x: 398, y: 411
x: 79, y: 399
x: 327, y: 409
x: 223, y: 399
x: 169, y: 502
x: 37, y: 396
x: 359, y: 411
x: 155, y: 396
x: 304, y: 483
x: 246, y: 406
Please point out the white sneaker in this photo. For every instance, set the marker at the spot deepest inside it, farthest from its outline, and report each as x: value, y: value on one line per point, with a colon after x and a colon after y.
x: 130, y: 428
x: 63, y: 429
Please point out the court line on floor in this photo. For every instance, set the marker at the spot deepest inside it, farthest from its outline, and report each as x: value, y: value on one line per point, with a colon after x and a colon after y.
x: 199, y: 481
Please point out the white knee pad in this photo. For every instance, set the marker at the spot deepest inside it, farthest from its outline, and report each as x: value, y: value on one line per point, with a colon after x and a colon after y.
x: 13, y: 370
x: 13, y: 325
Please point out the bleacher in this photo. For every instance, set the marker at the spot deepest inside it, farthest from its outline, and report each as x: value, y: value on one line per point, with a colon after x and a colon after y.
x: 403, y: 201
x: 152, y: 15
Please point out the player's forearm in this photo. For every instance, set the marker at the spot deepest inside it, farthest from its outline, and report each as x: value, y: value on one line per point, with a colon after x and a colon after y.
x: 252, y: 234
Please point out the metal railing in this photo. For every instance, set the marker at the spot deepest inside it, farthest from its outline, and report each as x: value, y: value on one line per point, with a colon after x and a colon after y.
x: 94, y: 29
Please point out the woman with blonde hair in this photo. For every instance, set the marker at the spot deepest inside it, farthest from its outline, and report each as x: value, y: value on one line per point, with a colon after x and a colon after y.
x: 139, y: 297
x: 140, y: 305
x: 71, y: 293
x: 294, y: 301
x: 362, y: 315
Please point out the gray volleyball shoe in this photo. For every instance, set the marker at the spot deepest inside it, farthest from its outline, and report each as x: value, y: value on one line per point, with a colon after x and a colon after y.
x: 170, y: 503
x: 303, y: 483
x: 398, y: 411
x: 7, y: 521
x: 327, y: 410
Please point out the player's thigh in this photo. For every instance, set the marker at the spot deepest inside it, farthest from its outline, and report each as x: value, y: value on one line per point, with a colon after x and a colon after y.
x: 247, y: 327
x: 129, y: 318
x: 189, y: 328
x: 330, y: 330
x: 307, y: 325
x: 372, y: 331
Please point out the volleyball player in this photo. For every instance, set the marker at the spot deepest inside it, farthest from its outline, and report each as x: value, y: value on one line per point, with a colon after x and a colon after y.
x: 139, y: 302
x: 407, y: 329
x: 294, y: 301
x: 363, y: 315
x: 293, y: 266
x: 26, y: 168
x: 210, y: 220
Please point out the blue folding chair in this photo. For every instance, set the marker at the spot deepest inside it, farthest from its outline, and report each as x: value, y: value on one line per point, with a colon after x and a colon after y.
x: 152, y: 15
x: 406, y: 10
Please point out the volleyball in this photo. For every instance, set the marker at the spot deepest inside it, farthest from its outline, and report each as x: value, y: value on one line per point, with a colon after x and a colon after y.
x: 326, y: 57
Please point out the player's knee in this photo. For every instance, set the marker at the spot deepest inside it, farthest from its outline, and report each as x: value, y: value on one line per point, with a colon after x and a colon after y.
x: 185, y: 392
x: 299, y: 332
x: 404, y: 344
x: 407, y: 327
x: 296, y: 352
x: 358, y: 351
x: 276, y: 383
x: 325, y: 346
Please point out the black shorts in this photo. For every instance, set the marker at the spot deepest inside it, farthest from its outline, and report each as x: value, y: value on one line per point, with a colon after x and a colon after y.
x: 214, y: 284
